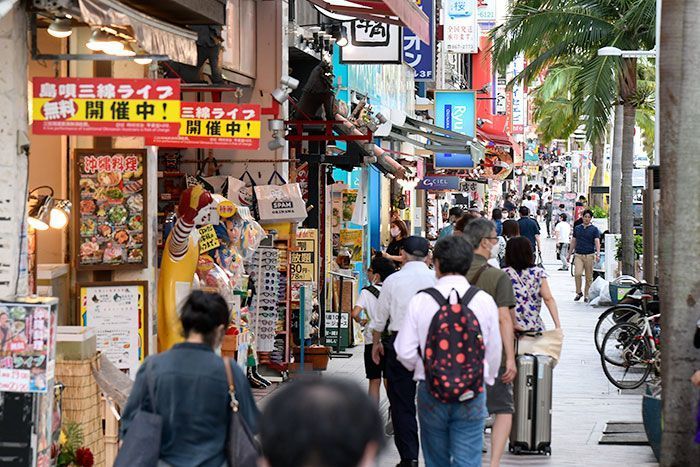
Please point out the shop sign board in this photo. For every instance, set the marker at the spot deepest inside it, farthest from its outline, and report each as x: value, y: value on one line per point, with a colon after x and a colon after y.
x: 119, y: 315
x: 214, y: 125
x: 439, y: 183
x: 331, y: 329
x: 303, y: 259
x: 486, y: 11
x: 207, y: 239
x: 456, y: 111
x: 417, y: 54
x: 105, y: 106
x: 519, y: 99
x: 27, y: 346
x: 372, y: 42
x: 110, y: 211
x: 461, y: 29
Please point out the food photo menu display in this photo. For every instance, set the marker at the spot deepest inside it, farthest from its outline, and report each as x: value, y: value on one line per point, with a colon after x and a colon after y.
x: 111, y: 212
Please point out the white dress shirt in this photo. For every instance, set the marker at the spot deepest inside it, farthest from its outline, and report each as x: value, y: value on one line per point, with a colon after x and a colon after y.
x: 563, y: 232
x: 422, y: 308
x: 398, y: 289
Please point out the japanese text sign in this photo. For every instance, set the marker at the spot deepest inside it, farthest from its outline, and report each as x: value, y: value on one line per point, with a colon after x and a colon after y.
x: 372, y: 42
x: 418, y: 55
x: 303, y: 259
x: 215, y: 125
x: 105, y: 106
x: 456, y: 111
x: 208, y: 239
x: 461, y: 29
x: 519, y: 108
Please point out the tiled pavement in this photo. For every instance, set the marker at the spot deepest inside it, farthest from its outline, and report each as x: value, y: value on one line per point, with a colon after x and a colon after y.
x: 583, y: 401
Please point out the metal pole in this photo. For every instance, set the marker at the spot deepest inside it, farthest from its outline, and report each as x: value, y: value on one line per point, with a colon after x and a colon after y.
x: 657, y: 97
x: 302, y: 333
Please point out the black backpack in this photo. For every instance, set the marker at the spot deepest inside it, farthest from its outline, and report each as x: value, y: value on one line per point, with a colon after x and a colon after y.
x: 454, y: 350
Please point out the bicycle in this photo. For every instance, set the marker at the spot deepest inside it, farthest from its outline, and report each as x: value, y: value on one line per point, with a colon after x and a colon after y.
x: 632, y: 350
x: 629, y: 310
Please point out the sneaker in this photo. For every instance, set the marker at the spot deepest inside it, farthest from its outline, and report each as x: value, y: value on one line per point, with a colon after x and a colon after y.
x: 578, y: 297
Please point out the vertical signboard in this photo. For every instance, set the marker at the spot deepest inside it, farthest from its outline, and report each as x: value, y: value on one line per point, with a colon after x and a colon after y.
x: 372, y: 42
x: 519, y: 110
x: 417, y: 54
x: 461, y: 29
x: 456, y: 111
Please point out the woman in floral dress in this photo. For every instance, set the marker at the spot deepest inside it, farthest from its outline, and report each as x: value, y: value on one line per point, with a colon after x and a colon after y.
x: 530, y: 287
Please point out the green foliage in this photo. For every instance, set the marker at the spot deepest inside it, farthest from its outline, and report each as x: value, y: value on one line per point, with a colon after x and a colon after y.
x: 599, y: 212
x: 638, y: 247
x: 71, y: 440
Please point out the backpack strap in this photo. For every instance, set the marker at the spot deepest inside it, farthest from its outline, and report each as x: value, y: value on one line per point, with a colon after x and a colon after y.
x: 478, y: 273
x: 437, y: 296
x: 469, y: 295
x: 373, y: 290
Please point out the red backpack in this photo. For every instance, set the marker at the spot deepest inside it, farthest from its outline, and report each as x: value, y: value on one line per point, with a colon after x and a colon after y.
x: 454, y: 350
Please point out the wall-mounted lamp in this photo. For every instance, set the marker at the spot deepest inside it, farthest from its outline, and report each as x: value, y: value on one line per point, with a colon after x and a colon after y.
x: 45, y: 211
x: 287, y: 85
x: 61, y: 27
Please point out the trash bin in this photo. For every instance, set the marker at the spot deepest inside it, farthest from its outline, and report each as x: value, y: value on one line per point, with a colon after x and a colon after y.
x: 620, y: 286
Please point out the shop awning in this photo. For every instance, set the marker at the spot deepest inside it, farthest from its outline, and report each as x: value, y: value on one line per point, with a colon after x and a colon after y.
x: 153, y: 35
x: 500, y: 139
x: 400, y: 12
x: 436, y: 139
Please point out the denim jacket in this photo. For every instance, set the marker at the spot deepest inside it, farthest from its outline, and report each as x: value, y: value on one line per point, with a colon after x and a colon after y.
x: 191, y: 395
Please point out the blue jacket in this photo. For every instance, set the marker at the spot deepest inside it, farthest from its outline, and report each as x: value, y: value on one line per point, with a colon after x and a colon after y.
x: 191, y: 393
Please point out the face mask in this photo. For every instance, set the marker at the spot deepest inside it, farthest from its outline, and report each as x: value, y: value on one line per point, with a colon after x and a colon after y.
x: 495, y: 249
x: 394, y: 231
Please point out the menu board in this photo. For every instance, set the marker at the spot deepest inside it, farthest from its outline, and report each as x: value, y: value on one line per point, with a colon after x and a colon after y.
x: 27, y: 347
x: 118, y: 314
x: 110, y: 209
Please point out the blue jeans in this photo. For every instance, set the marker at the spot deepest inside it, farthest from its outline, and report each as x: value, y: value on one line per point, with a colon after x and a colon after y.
x: 451, y: 434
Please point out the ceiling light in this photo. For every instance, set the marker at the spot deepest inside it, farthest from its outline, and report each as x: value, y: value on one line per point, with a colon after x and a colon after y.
x: 125, y: 51
x: 61, y: 28
x: 103, y: 41
x: 60, y: 214
x: 143, y: 61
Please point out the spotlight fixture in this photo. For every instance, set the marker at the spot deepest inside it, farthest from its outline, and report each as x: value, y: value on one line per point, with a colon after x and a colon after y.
x: 341, y: 37
x: 60, y: 214
x: 382, y: 119
x: 61, y: 28
x: 45, y: 211
x: 276, y: 143
x: 287, y: 85
x: 275, y: 125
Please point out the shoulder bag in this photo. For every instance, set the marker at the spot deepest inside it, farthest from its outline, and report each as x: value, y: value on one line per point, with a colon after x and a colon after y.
x: 141, y: 445
x: 241, y: 447
x: 541, y: 343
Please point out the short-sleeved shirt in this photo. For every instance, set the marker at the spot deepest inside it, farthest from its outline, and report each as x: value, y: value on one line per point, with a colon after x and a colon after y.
x: 527, y: 285
x: 493, y: 281
x: 585, y: 238
x: 529, y: 228
x: 368, y: 302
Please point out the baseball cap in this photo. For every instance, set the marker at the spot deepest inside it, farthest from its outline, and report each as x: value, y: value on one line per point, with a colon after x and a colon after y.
x: 416, y: 246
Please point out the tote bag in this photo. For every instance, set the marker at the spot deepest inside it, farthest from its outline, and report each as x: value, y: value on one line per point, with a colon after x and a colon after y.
x: 541, y: 343
x: 280, y: 203
x: 242, y: 449
x: 141, y: 445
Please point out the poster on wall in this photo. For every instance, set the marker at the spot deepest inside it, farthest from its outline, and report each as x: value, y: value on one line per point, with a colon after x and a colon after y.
x: 110, y: 212
x: 118, y: 314
x: 27, y: 350
x: 456, y: 111
x: 214, y: 125
x: 352, y: 240
x: 417, y: 54
x: 105, y: 106
x: 372, y: 42
x: 461, y: 29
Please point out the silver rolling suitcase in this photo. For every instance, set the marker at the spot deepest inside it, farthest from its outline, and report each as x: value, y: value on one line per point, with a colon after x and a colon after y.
x: 532, y: 421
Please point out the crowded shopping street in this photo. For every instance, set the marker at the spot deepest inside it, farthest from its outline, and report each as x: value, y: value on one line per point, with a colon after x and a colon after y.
x: 349, y: 233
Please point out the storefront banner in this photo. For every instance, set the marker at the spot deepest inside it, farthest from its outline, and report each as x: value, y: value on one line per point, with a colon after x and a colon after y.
x: 417, y: 54
x: 486, y: 10
x: 519, y: 110
x: 105, y: 106
x: 461, y: 29
x: 303, y: 259
x: 456, y: 111
x: 372, y: 42
x: 214, y: 125
x: 439, y: 183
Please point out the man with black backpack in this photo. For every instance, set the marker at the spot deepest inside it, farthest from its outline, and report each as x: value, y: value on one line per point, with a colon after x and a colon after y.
x: 450, y: 339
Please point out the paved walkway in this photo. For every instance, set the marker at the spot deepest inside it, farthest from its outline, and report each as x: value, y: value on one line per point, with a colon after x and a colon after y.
x: 583, y: 401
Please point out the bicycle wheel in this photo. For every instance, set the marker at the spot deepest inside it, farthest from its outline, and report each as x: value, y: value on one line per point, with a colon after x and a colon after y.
x: 626, y: 356
x: 612, y: 316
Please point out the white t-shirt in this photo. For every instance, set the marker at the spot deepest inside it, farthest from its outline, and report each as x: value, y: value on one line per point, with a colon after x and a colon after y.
x: 368, y: 302
x: 532, y: 205
x: 562, y: 232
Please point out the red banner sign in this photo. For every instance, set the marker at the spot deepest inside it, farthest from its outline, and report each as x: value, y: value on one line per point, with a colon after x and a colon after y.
x: 105, y: 106
x: 214, y: 125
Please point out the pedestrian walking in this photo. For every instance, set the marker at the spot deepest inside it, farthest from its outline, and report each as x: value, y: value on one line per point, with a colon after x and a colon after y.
x: 530, y: 286
x: 529, y: 228
x: 458, y: 323
x: 190, y: 386
x: 497, y: 218
x: 548, y: 212
x: 532, y: 205
x: 511, y: 229
x: 585, y: 246
x: 454, y: 214
x: 398, y: 232
x: 562, y: 234
x: 397, y: 291
x: 320, y: 422
x: 508, y: 205
x: 499, y: 398
x: 365, y: 312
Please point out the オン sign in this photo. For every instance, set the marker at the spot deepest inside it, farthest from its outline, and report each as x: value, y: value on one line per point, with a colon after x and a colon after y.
x: 215, y: 125
x: 105, y: 106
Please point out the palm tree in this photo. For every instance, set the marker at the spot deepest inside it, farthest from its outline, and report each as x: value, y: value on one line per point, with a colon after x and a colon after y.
x: 555, y: 31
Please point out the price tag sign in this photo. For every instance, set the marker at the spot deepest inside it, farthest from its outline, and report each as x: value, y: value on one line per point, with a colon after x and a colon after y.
x: 208, y: 239
x: 303, y: 260
x: 226, y: 209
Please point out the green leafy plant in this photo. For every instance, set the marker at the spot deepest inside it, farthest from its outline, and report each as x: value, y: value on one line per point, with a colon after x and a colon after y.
x: 599, y: 212
x: 638, y: 247
x: 69, y: 451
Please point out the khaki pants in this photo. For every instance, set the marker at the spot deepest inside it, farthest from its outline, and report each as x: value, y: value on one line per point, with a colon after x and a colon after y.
x: 583, y: 263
